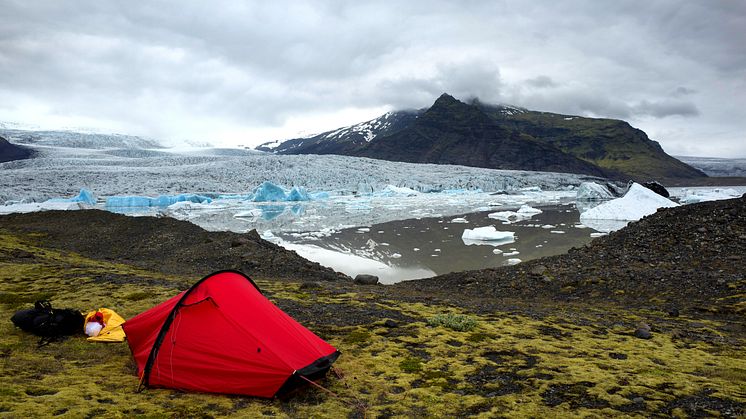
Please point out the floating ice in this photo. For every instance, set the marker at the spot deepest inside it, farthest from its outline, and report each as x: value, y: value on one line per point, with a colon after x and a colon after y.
x: 488, y: 233
x: 84, y: 196
x: 42, y: 206
x: 513, y: 253
x: 557, y: 232
x: 391, y: 190
x: 297, y: 194
x: 513, y: 261
x: 528, y: 210
x: 160, y: 201
x: 638, y: 202
x: 128, y: 201
x: 525, y: 212
x: 591, y: 191
x: 269, y: 192
x: 702, y: 195
x: 252, y: 213
x: 496, y: 251
x: 598, y: 234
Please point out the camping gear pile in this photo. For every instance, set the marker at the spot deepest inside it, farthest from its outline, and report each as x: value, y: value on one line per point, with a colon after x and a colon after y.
x: 219, y: 336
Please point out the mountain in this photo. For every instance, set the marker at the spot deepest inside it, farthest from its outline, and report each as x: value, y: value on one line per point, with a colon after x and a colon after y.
x: 452, y: 132
x: 499, y: 137
x: 345, y: 140
x: 10, y: 151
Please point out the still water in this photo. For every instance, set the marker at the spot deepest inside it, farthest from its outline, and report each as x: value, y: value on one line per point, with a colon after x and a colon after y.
x: 418, y: 248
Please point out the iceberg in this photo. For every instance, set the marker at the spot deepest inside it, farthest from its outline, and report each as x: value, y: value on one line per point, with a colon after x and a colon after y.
x: 298, y: 194
x: 252, y: 213
x: 528, y: 210
x: 525, y: 212
x: 391, y: 190
x: 129, y: 201
x: 166, y: 200
x: 591, y: 191
x: 269, y: 192
x: 160, y: 201
x: 488, y: 233
x: 638, y: 202
x: 84, y: 196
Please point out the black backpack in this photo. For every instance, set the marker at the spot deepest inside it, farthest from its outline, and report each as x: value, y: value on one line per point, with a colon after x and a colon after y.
x: 49, y: 323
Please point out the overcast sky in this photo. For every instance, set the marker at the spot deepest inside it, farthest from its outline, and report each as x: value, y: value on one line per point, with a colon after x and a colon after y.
x: 246, y: 72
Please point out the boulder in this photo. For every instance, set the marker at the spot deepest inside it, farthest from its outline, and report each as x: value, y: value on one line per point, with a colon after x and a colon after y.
x: 365, y: 279
x: 657, y: 188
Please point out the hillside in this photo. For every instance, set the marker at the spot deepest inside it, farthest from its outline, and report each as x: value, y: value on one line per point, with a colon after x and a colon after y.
x: 10, y: 152
x: 633, y: 325
x: 502, y: 137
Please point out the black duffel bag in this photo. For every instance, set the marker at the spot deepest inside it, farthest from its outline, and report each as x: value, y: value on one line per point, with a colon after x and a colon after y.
x: 49, y: 323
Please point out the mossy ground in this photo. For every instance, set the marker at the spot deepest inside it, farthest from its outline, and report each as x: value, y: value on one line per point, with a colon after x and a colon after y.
x: 574, y: 361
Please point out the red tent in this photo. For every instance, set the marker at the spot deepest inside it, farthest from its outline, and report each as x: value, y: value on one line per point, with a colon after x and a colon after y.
x: 223, y: 336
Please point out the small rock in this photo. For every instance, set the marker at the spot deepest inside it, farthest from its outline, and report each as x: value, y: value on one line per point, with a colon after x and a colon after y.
x: 240, y: 241
x: 674, y: 312
x: 310, y: 285
x: 390, y: 323
x: 365, y: 279
x: 22, y: 254
x: 643, y: 333
x: 538, y: 270
x: 702, y: 230
x: 638, y: 400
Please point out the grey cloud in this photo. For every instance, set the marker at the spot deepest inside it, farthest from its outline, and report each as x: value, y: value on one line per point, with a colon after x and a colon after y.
x: 258, y: 64
x: 683, y: 91
x: 662, y: 109
x: 541, y: 82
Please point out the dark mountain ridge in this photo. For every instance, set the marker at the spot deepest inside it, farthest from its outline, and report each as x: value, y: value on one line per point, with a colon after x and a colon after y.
x: 499, y: 137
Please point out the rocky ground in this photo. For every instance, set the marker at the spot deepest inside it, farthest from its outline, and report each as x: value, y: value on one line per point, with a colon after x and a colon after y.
x: 647, y: 321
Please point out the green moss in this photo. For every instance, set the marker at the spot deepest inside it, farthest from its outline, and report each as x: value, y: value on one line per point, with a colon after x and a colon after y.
x: 137, y: 296
x: 459, y: 322
x: 357, y: 336
x: 410, y: 365
x: 508, y: 365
